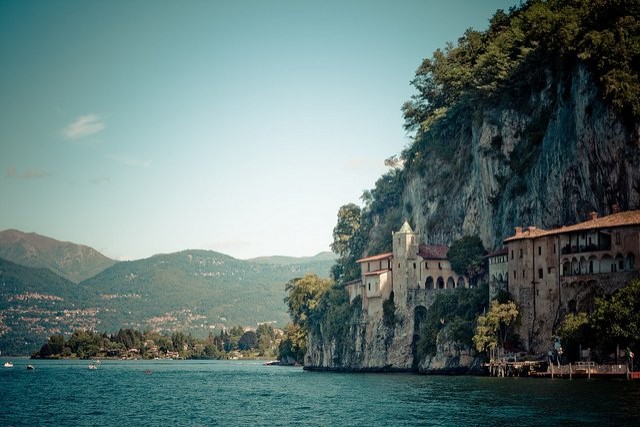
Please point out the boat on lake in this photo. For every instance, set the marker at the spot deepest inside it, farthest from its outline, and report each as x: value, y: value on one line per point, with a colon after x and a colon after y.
x: 8, y: 364
x: 92, y: 366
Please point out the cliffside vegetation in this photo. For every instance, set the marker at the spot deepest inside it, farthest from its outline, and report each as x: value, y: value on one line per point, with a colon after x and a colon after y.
x: 614, y: 323
x: 524, y: 52
x: 496, y: 117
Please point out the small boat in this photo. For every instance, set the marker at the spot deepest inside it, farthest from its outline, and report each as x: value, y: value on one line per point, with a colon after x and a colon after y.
x: 148, y: 372
x: 8, y: 364
x: 30, y: 367
x: 92, y: 366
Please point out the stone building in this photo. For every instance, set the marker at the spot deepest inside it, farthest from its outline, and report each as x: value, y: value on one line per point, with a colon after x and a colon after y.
x: 558, y: 271
x: 498, y: 262
x: 409, y: 273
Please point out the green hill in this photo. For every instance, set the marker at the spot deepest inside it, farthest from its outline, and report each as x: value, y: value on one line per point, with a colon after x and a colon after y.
x: 191, y: 291
x: 69, y: 260
x: 36, y: 303
x: 195, y: 289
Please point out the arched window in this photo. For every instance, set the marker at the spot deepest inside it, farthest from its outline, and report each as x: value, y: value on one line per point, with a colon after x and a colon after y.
x: 461, y: 281
x: 619, y: 262
x: 606, y: 264
x: 451, y: 284
x: 429, y: 283
x: 440, y: 283
x: 630, y: 263
x: 584, y: 267
x: 566, y: 268
x: 594, y: 265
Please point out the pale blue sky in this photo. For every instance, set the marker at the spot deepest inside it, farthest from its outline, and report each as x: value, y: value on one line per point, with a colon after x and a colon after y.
x: 143, y: 127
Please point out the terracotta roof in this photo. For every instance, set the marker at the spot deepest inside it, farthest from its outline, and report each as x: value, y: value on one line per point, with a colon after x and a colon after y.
x: 433, y: 251
x: 376, y: 257
x: 352, y: 282
x: 610, y: 221
x: 377, y: 272
x: 500, y: 251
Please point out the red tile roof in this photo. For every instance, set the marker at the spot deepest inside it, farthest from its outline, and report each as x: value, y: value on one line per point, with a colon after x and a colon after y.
x: 610, y: 221
x: 376, y: 257
x: 433, y: 251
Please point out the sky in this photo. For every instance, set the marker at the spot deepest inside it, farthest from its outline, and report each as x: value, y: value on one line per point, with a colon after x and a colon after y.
x: 143, y: 127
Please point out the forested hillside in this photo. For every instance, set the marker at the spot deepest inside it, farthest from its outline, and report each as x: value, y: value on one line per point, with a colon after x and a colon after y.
x: 191, y: 292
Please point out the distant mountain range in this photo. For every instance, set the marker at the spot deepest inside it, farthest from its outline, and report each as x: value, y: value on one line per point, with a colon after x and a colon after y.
x: 69, y: 260
x: 193, y: 291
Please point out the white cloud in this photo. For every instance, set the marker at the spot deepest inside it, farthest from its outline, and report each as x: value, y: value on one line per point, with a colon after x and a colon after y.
x: 84, y: 126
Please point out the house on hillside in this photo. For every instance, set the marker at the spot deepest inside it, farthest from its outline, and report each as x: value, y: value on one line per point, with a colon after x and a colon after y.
x: 559, y: 271
x: 407, y: 273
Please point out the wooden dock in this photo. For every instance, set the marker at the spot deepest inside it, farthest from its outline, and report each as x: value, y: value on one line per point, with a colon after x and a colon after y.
x: 570, y: 371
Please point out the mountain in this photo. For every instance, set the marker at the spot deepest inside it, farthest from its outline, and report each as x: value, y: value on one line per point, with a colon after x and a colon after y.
x: 191, y: 291
x: 69, y: 260
x: 196, y: 289
x: 36, y: 303
x: 321, y: 259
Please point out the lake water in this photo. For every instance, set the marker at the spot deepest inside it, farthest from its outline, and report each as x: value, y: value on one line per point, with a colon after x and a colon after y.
x: 245, y: 393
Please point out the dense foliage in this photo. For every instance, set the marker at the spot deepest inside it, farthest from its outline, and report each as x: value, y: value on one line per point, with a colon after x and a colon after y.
x: 493, y: 328
x: 457, y: 310
x: 614, y: 323
x: 130, y: 343
x: 467, y: 257
x: 523, y: 48
x: 316, y: 305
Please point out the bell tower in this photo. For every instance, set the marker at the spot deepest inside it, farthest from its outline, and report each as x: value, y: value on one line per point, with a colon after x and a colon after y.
x: 405, y: 259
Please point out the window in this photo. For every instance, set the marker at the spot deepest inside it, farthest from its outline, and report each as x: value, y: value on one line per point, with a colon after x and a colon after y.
x: 514, y: 274
x: 539, y: 273
x: 539, y: 250
x: 554, y: 248
x: 524, y: 274
x: 369, y: 286
x: 617, y: 238
x: 520, y: 252
x: 440, y: 266
x: 512, y: 254
x: 414, y: 265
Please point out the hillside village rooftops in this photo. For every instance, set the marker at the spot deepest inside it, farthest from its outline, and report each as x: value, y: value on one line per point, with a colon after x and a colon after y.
x: 620, y: 219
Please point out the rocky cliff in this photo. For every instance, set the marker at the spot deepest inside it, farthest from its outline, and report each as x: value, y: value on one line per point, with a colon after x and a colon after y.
x: 547, y: 163
x: 568, y: 156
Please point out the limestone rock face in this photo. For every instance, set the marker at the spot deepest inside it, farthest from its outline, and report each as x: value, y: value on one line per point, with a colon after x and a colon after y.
x: 571, y: 155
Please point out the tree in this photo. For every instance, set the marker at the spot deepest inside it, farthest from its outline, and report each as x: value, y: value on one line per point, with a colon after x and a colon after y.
x: 304, y: 294
x: 493, y: 328
x: 616, y: 318
x: 293, y: 345
x: 347, y: 243
x: 248, y: 341
x: 466, y: 256
x: 574, y: 331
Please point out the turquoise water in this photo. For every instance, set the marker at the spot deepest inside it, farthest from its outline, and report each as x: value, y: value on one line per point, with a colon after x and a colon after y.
x: 245, y: 393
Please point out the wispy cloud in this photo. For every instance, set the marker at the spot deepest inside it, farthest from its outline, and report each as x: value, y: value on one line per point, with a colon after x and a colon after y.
x: 130, y: 161
x: 84, y: 126
x: 28, y: 174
